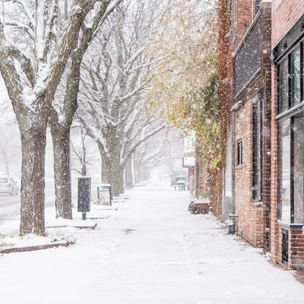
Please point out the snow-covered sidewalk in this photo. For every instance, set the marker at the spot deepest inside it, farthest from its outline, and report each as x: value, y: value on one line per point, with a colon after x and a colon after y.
x: 149, y: 250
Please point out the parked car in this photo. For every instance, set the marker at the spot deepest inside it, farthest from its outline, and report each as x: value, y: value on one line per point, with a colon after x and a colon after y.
x: 8, y: 185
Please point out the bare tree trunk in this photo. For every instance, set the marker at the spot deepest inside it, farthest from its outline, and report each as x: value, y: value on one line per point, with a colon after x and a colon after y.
x: 112, y: 173
x: 137, y: 177
x: 62, y: 174
x: 129, y: 174
x: 121, y: 181
x: 32, y: 216
x: 105, y: 168
x: 32, y: 91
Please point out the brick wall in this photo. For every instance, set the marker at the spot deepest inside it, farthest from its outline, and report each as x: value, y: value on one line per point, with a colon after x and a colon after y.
x: 285, y: 13
x: 295, y: 248
x: 250, y: 221
x: 253, y: 222
x: 242, y: 15
x: 266, y: 74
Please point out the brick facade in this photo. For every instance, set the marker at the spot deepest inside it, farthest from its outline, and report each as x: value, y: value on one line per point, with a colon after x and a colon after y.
x: 255, y: 71
x: 285, y: 14
x: 242, y: 15
x: 252, y: 214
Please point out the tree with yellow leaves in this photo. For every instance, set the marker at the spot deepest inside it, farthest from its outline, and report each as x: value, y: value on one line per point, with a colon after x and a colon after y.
x: 185, y: 82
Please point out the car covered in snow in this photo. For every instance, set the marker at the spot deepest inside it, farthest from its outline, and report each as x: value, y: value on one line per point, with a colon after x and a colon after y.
x: 8, y: 185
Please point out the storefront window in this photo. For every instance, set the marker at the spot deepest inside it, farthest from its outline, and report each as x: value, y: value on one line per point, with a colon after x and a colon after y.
x: 291, y: 137
x: 283, y: 86
x: 292, y: 169
x: 285, y: 171
x: 295, y: 93
x: 298, y: 154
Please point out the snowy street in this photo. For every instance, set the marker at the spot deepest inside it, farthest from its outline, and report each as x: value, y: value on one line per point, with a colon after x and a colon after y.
x: 149, y: 251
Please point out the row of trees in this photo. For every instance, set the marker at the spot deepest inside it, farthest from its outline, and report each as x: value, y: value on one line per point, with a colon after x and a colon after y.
x: 185, y: 84
x: 115, y: 74
x: 86, y: 57
x: 114, y: 68
x: 40, y: 50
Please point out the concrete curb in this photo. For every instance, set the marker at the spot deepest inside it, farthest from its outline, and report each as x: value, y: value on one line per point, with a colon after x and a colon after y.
x: 34, y: 248
x: 74, y: 226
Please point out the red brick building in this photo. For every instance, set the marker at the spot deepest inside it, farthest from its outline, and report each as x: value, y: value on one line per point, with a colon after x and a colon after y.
x: 249, y: 142
x: 263, y: 188
x: 287, y: 149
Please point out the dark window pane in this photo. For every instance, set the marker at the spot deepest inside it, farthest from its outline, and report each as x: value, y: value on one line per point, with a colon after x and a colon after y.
x: 239, y: 152
x: 295, y: 77
x: 257, y: 146
x: 283, y: 86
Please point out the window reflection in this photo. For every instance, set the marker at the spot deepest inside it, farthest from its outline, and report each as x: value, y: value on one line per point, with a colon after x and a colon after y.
x: 285, y: 171
x: 295, y: 77
x: 283, y: 86
x: 298, y: 130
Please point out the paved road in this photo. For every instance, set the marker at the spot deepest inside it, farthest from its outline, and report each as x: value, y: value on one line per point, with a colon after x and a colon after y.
x: 10, y: 205
x: 150, y: 251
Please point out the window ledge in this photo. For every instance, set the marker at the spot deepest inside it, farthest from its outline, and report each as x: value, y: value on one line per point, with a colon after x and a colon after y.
x: 290, y: 225
x: 291, y: 110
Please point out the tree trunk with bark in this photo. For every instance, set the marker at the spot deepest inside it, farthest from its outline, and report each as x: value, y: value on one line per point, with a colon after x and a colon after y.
x: 129, y: 174
x: 31, y: 80
x: 61, y: 130
x: 112, y: 173
x: 33, y: 142
x: 62, y: 172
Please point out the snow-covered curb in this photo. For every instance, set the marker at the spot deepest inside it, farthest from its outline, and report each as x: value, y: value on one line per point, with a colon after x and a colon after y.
x: 59, y: 232
x: 62, y: 236
x: 34, y: 248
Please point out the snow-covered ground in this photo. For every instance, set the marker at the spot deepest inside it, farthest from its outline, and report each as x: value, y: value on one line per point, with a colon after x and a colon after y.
x: 149, y: 251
